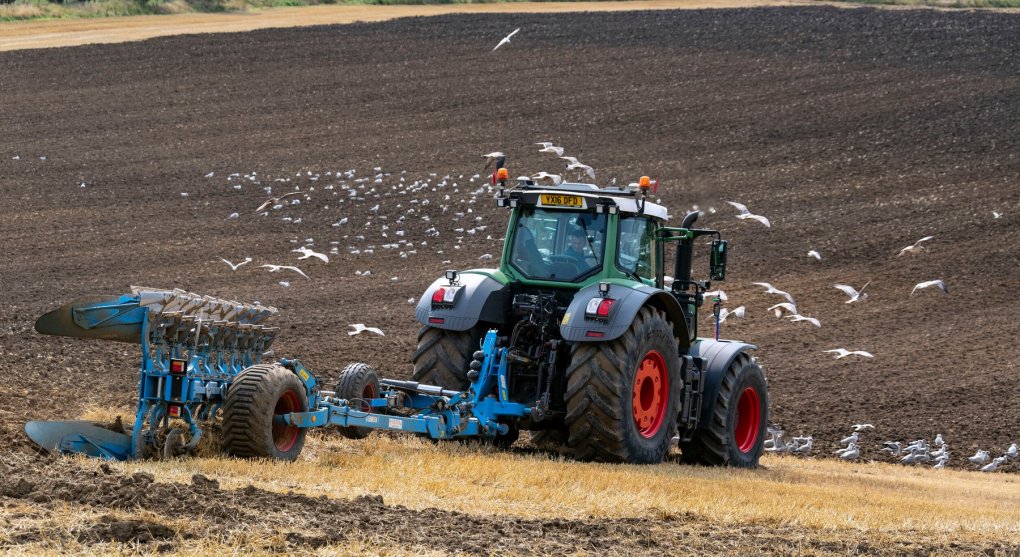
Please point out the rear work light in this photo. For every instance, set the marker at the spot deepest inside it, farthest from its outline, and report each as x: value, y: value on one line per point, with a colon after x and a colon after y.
x: 599, y: 308
x: 444, y: 295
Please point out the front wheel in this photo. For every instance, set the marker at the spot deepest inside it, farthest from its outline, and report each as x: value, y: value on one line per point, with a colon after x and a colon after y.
x: 622, y: 396
x: 735, y: 435
x: 256, y: 397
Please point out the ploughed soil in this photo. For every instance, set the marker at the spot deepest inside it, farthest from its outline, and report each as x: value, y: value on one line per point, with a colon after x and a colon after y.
x: 856, y: 132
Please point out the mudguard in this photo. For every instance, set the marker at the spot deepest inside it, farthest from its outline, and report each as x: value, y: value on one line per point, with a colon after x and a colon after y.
x: 480, y: 297
x: 630, y: 298
x: 718, y: 355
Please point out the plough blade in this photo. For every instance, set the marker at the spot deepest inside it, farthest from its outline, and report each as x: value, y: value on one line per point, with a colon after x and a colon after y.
x: 102, y: 317
x: 80, y: 437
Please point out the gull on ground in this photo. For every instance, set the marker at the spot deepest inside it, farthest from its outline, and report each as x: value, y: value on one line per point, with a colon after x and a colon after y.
x: 815, y: 254
x: 894, y: 448
x: 854, y: 294
x: 921, y: 285
x: 812, y: 320
x: 506, y: 39
x: 745, y: 214
x: 862, y: 427
x: 852, y: 452
x: 233, y: 266
x: 991, y: 466
x: 550, y: 148
x: 1012, y: 451
x: 843, y: 352
x: 916, y: 247
x: 786, y: 307
x: 360, y: 327
x: 850, y: 440
x: 274, y: 200
x: 307, y: 252
x: 938, y: 440
x: 556, y: 179
x: 979, y: 457
x: 275, y: 268
x: 769, y: 289
x: 802, y: 445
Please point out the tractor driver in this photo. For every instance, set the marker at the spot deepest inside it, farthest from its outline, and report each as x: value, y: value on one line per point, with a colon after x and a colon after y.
x: 575, y: 248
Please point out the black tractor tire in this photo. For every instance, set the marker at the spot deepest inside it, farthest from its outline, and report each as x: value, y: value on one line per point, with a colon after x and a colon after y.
x: 357, y: 383
x: 443, y: 356
x: 622, y: 396
x: 735, y: 436
x: 256, y: 395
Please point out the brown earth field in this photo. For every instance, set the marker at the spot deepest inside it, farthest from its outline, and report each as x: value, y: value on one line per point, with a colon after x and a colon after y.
x: 856, y: 132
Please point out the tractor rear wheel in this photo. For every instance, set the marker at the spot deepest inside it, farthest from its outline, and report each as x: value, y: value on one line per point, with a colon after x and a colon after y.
x: 735, y: 436
x: 443, y: 356
x: 357, y: 383
x: 257, y: 395
x: 622, y: 395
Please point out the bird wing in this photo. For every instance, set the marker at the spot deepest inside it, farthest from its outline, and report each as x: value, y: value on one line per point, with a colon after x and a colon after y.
x: 514, y: 33
x: 815, y: 254
x: 925, y: 239
x: 589, y: 170
x: 375, y: 330
x: 739, y: 206
x: 760, y: 218
x: 288, y: 194
x: 739, y: 312
x: 295, y: 269
x: 863, y: 353
x: 847, y: 289
x: 272, y: 268
x: 232, y: 266
x: 544, y: 144
x: 767, y: 286
x: 571, y: 160
x: 268, y: 203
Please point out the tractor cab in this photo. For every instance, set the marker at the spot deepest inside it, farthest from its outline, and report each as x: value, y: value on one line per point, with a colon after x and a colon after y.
x: 571, y: 235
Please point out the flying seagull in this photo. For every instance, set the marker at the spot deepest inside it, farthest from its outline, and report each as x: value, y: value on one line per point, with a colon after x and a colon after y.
x: 556, y: 179
x: 854, y: 294
x: 843, y: 352
x: 506, y: 39
x: 916, y: 247
x: 715, y: 294
x: 306, y: 253
x: 745, y: 214
x: 926, y: 284
x: 494, y: 157
x: 815, y: 254
x: 233, y: 267
x: 550, y: 148
x: 574, y: 164
x: 812, y: 320
x: 738, y: 313
x: 862, y: 427
x: 769, y: 289
x: 274, y: 200
x: 360, y: 327
x: 275, y: 268
x: 787, y: 307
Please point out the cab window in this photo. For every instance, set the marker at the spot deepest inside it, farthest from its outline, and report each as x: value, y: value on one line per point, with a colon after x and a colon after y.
x: 636, y: 249
x: 557, y: 245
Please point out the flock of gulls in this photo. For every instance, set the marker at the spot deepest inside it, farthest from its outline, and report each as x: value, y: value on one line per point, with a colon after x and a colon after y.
x: 916, y: 452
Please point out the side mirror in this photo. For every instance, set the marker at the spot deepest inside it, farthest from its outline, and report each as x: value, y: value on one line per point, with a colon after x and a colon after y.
x: 718, y: 263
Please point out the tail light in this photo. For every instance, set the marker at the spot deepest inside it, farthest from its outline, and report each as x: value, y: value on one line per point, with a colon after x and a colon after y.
x: 444, y: 295
x: 178, y: 367
x: 599, y: 308
x: 173, y: 410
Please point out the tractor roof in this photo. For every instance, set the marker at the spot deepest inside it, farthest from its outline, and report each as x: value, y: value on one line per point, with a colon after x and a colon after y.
x: 574, y: 195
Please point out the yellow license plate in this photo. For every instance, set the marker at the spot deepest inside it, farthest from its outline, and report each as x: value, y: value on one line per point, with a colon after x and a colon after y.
x: 562, y: 200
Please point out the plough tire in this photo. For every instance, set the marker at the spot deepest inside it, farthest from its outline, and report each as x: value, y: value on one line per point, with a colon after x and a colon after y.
x: 256, y: 396
x: 357, y: 383
x: 443, y: 356
x: 622, y: 395
x: 735, y: 435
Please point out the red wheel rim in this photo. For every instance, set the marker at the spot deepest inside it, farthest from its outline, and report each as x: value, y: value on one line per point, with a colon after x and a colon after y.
x: 651, y: 394
x: 748, y: 420
x: 367, y: 393
x: 285, y: 436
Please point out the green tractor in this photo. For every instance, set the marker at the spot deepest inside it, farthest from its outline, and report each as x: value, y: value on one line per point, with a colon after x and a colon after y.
x: 606, y: 354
